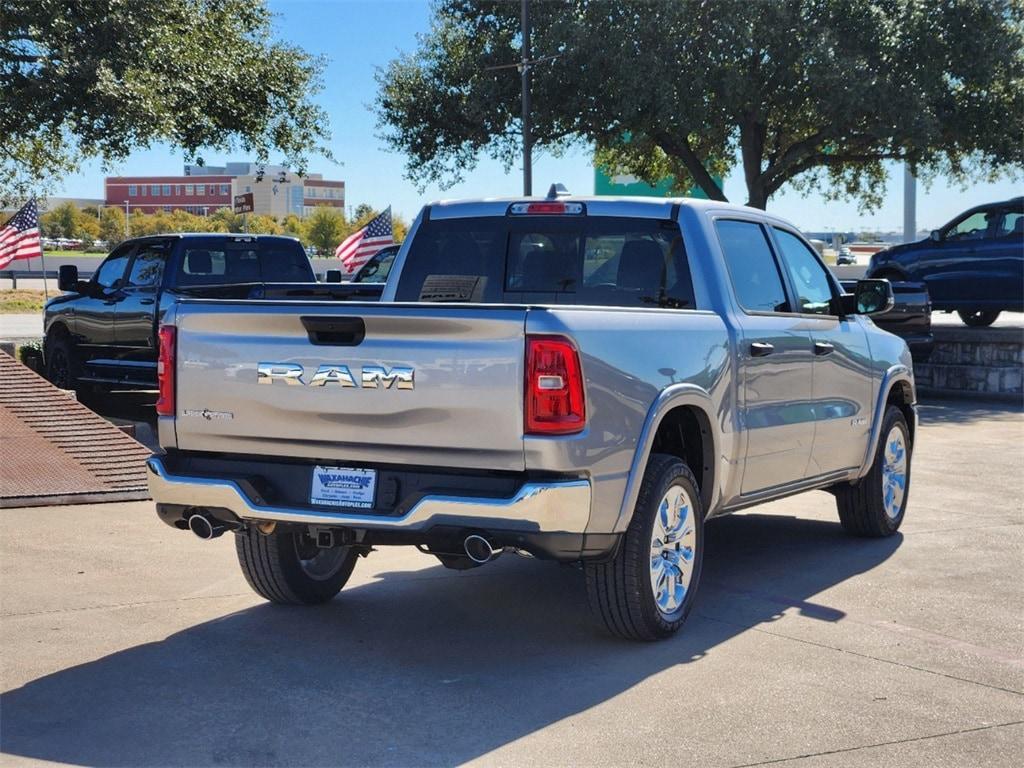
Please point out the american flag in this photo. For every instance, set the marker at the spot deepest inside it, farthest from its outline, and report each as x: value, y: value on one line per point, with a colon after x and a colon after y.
x: 360, y: 246
x: 19, y: 239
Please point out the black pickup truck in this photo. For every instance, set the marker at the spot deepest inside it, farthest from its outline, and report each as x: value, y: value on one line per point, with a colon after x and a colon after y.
x: 102, y: 333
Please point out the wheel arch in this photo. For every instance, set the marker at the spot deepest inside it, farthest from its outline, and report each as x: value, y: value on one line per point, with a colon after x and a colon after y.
x: 897, y: 389
x: 678, y: 423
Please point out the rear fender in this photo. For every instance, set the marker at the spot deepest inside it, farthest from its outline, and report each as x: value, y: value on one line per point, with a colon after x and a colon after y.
x: 670, y: 398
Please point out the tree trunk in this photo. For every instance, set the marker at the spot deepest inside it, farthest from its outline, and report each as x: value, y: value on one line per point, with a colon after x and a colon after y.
x: 752, y: 150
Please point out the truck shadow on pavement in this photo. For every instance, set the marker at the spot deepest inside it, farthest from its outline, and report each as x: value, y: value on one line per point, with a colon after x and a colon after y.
x: 424, y: 667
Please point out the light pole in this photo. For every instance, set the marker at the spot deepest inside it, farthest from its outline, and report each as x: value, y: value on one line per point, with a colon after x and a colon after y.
x: 127, y: 207
x: 909, y: 205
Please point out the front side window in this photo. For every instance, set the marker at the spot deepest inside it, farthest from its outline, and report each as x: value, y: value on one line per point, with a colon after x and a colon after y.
x: 752, y: 269
x: 377, y: 268
x: 148, y: 266
x: 112, y: 270
x: 598, y: 261
x: 813, y: 289
x: 974, y: 227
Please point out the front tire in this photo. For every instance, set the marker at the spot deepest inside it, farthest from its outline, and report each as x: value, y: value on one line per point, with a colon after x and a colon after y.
x: 978, y: 319
x: 62, y: 364
x: 874, y: 506
x: 648, y: 589
x: 287, y: 567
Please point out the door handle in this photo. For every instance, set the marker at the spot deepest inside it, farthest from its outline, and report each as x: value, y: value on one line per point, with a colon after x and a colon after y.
x: 146, y: 301
x: 761, y: 348
x: 823, y: 348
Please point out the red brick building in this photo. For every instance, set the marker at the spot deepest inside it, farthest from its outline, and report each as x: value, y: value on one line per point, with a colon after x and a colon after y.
x: 205, y: 189
x: 196, y: 194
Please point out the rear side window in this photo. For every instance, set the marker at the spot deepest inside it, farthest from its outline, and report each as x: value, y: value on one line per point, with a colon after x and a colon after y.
x: 213, y: 262
x: 598, y: 261
x: 755, y: 275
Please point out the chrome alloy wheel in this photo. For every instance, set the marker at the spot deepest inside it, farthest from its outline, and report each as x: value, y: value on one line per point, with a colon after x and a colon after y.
x: 318, y: 563
x: 673, y: 546
x: 894, y: 472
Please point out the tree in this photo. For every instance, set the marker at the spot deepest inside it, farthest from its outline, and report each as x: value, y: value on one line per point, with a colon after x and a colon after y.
x: 325, y: 229
x: 817, y: 94
x: 111, y: 226
x: 99, y: 79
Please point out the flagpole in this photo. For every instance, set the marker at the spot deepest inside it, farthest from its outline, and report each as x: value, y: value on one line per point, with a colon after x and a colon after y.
x: 42, y: 258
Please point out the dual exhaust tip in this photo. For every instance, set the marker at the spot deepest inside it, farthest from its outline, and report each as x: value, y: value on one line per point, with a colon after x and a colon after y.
x: 478, y: 548
x: 205, y: 527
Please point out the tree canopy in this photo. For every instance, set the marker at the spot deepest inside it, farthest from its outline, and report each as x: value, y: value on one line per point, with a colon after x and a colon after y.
x: 99, y: 78
x: 818, y: 94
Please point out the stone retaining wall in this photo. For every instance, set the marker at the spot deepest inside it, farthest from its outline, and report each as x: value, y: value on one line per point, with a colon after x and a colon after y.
x: 974, y: 362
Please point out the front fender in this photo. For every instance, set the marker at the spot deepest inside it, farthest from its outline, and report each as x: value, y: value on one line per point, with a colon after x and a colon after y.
x: 894, y: 375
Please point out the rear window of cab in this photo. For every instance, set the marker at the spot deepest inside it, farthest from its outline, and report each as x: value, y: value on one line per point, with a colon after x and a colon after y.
x: 602, y: 261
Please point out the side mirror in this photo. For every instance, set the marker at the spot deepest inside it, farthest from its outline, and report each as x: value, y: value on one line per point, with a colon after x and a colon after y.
x: 934, y: 236
x: 67, y: 278
x: 870, y: 297
x: 332, y: 276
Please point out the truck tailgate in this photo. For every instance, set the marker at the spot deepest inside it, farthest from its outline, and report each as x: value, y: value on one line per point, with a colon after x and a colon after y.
x: 464, y: 408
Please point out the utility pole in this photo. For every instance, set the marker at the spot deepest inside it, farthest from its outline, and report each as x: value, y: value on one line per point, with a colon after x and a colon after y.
x: 909, y: 205
x: 524, y: 70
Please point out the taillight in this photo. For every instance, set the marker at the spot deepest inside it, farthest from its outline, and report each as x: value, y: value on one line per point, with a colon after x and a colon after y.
x: 554, y: 387
x: 547, y: 208
x: 165, y: 370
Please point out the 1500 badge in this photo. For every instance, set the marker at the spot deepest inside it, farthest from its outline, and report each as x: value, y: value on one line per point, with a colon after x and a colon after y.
x: 370, y: 376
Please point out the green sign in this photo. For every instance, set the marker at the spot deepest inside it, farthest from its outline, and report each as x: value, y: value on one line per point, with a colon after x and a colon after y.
x: 624, y: 184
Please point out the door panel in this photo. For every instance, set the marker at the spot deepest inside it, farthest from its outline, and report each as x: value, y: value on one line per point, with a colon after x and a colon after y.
x: 94, y: 312
x: 775, y: 361
x: 841, y: 390
x: 777, y: 411
x: 135, y: 320
x: 841, y: 379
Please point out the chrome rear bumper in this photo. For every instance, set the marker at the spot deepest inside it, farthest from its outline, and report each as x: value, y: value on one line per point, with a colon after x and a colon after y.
x: 555, y: 507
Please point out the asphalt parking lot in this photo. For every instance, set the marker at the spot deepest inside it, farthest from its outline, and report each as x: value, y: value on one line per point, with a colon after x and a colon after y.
x: 127, y: 643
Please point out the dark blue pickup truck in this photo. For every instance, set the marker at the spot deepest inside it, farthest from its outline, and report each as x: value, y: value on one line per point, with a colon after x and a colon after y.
x: 974, y: 265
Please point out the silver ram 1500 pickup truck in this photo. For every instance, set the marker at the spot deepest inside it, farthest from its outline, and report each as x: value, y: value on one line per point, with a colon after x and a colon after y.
x: 581, y: 379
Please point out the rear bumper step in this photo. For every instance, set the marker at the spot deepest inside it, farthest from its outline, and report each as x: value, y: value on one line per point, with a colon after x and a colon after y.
x: 537, y: 507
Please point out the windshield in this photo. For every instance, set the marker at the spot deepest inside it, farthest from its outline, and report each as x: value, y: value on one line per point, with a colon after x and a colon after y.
x: 603, y: 261
x: 216, y: 261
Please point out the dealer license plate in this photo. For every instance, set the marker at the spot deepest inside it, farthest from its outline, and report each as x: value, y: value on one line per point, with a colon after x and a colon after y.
x: 343, y: 487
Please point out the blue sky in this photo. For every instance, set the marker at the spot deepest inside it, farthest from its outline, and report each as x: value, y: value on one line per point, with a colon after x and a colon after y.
x: 357, y: 36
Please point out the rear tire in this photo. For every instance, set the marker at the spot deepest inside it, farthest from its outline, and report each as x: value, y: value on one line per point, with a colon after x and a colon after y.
x: 874, y: 506
x: 648, y: 589
x: 287, y: 567
x: 979, y: 319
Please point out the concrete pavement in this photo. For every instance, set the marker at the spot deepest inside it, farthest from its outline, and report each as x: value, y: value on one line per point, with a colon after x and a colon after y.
x: 127, y: 643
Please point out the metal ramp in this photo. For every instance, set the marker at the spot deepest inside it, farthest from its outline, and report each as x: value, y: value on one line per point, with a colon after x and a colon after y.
x: 54, y: 450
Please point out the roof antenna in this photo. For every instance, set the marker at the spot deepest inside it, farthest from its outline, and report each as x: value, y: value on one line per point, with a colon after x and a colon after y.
x: 556, y: 191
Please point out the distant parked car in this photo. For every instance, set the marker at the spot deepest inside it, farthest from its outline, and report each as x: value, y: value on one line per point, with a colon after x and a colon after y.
x: 973, y: 266
x: 376, y: 270
x: 845, y: 256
